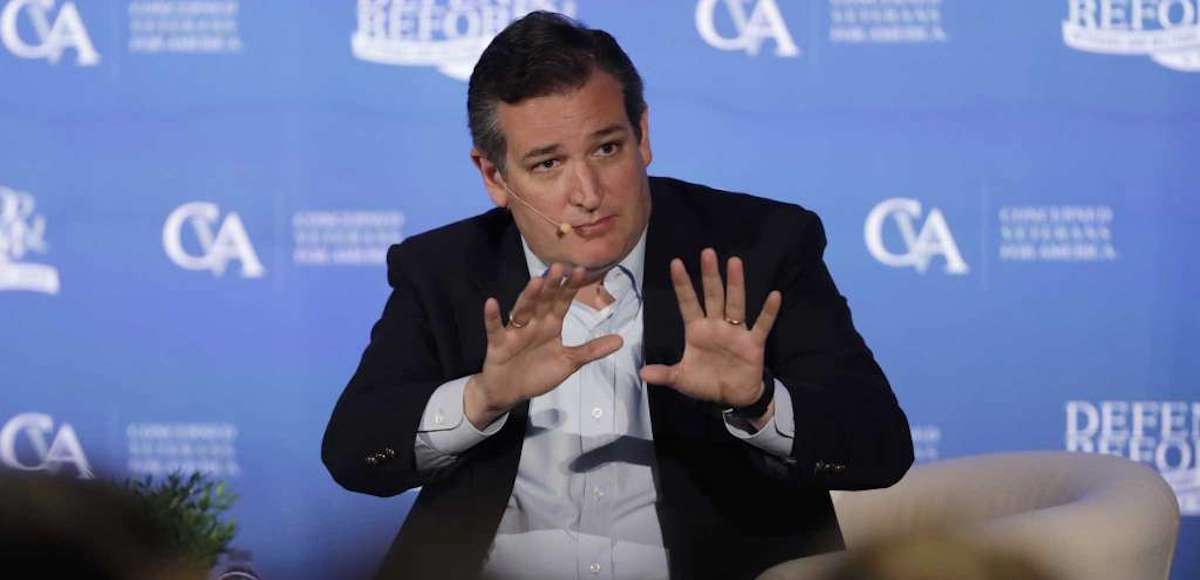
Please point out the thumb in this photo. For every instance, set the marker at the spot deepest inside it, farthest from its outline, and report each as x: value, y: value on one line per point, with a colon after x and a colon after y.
x: 660, y: 374
x: 595, y: 349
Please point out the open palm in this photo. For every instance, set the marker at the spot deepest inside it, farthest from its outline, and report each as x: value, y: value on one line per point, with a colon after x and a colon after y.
x: 527, y: 358
x: 722, y: 356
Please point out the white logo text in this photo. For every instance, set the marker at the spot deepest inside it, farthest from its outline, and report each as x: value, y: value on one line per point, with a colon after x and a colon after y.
x: 447, y: 34
x: 1165, y: 434
x: 63, y: 449
x: 763, y: 22
x: 933, y: 239
x: 21, y: 231
x: 1166, y: 30
x: 52, y: 36
x: 230, y: 242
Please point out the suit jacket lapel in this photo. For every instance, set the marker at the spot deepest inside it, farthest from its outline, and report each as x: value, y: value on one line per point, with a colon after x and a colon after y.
x: 501, y: 272
x: 677, y: 421
x: 662, y: 325
x: 672, y: 234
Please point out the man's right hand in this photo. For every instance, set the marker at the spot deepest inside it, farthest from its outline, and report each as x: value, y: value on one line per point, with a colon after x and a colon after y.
x: 527, y: 358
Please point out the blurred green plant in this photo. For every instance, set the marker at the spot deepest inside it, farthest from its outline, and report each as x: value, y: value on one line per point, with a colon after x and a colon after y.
x: 190, y: 509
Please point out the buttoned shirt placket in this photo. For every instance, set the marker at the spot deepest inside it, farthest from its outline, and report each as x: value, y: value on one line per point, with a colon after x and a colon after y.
x: 603, y: 416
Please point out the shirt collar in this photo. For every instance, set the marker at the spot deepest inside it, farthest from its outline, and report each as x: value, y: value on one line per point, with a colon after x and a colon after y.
x: 632, y: 264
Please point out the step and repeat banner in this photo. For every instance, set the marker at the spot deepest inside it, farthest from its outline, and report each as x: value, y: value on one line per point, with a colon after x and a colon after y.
x: 196, y: 199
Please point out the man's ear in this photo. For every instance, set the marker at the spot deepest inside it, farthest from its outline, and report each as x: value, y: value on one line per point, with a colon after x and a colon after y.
x: 493, y: 180
x: 644, y: 145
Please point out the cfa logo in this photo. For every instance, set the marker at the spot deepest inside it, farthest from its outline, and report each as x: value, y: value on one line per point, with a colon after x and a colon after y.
x: 763, y: 22
x: 51, y: 36
x: 933, y: 239
x: 62, y: 450
x: 230, y: 242
x: 1166, y: 30
x: 447, y: 34
x: 21, y: 232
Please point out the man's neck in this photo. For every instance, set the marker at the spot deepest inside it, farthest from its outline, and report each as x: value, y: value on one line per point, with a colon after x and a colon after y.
x: 593, y: 293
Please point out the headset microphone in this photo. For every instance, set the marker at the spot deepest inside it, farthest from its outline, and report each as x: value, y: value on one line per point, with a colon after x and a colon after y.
x: 564, y: 228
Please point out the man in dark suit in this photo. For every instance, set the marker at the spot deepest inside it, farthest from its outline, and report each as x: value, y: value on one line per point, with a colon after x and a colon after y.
x: 718, y: 421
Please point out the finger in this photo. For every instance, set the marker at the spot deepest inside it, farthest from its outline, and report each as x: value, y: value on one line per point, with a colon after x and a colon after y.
x: 543, y: 305
x: 596, y: 348
x: 559, y: 283
x: 766, y: 318
x: 735, y: 297
x: 710, y: 278
x: 491, y: 320
x: 660, y: 374
x: 689, y: 305
x: 522, y: 310
x: 576, y: 278
x: 569, y: 290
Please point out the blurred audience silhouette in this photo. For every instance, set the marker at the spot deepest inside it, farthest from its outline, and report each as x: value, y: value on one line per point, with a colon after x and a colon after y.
x: 55, y: 527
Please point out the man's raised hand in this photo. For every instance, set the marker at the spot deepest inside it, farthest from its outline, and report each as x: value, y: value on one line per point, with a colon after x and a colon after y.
x: 527, y: 358
x: 723, y: 355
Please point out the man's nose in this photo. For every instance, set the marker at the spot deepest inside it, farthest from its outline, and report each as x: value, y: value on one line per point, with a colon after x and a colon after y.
x: 586, y: 191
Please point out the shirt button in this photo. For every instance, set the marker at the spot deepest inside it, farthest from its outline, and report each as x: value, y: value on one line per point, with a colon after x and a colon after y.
x: 594, y: 568
x: 597, y: 493
x: 597, y: 412
x: 438, y: 419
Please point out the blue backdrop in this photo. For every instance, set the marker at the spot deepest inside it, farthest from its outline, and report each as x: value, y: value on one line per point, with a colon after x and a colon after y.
x: 196, y: 197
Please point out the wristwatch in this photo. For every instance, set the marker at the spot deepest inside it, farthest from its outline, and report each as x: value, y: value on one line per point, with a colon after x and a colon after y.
x: 759, y: 407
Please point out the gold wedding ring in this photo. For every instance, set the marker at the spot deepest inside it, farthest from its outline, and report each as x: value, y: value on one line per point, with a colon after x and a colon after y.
x: 516, y: 323
x: 733, y: 322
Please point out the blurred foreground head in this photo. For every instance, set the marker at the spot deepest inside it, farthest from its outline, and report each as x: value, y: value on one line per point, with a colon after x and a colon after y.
x: 68, y: 528
x: 935, y: 557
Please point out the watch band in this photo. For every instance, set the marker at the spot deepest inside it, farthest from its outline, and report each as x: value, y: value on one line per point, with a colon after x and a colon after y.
x: 759, y: 407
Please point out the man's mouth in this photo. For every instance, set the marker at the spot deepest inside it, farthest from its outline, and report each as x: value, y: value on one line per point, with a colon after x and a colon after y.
x: 596, y: 228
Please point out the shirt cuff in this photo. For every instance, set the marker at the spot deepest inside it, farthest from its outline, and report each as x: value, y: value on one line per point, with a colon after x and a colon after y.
x: 776, y: 436
x: 444, y: 426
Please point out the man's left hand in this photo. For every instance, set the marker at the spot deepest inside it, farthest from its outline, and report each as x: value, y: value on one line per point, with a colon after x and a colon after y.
x: 723, y: 355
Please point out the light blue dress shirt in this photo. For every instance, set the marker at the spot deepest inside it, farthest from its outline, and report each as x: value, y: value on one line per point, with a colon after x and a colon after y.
x: 582, y: 505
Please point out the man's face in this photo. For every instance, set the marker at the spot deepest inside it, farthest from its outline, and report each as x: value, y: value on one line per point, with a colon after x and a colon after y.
x: 574, y: 156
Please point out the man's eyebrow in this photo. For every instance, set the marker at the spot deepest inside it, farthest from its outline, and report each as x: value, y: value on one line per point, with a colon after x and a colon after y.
x: 614, y: 128
x: 540, y: 151
x: 553, y: 148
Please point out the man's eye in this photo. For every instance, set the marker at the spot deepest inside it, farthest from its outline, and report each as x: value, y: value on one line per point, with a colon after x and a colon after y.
x: 546, y: 165
x: 607, y: 149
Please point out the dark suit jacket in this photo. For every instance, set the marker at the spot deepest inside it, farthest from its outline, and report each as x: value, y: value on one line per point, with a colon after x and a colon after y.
x: 727, y: 509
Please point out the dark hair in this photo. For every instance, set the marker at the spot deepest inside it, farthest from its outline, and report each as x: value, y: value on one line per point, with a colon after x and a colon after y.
x: 541, y: 54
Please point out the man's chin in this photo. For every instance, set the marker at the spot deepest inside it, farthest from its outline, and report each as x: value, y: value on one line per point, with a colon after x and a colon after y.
x: 600, y: 269
x: 598, y: 260
x: 596, y: 268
